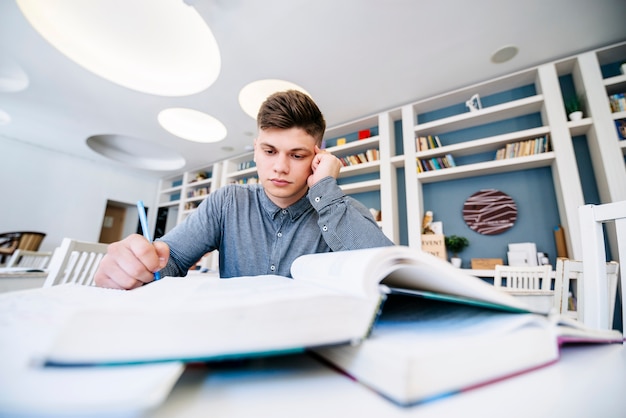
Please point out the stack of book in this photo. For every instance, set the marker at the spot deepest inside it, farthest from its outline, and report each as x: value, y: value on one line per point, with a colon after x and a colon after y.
x: 400, y: 321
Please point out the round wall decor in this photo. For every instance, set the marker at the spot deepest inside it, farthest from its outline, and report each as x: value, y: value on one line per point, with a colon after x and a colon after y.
x: 490, y: 212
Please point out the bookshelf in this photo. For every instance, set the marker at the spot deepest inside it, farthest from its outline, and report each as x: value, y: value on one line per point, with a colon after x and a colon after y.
x: 533, y: 101
x: 374, y: 183
x: 181, y: 194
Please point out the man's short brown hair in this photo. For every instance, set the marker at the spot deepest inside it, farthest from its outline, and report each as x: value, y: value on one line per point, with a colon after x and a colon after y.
x: 292, y: 109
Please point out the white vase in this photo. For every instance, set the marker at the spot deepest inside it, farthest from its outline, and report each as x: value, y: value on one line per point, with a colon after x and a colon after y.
x: 578, y: 115
x: 456, y: 261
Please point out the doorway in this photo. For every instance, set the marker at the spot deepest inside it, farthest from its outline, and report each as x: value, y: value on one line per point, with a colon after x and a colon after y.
x: 120, y: 220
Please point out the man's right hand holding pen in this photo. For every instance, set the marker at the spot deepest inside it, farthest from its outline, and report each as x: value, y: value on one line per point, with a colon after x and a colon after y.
x: 131, y: 263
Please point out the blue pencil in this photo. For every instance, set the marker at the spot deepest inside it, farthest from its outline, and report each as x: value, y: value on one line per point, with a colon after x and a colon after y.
x: 144, y: 226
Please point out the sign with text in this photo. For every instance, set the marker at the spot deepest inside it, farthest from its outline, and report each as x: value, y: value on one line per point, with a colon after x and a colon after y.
x: 434, y: 244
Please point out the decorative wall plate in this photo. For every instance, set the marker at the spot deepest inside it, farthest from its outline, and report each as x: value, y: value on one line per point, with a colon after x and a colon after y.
x: 490, y: 212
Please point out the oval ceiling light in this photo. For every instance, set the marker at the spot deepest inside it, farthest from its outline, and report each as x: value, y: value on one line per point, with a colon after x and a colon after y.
x: 192, y: 125
x: 254, y: 94
x: 163, y: 47
x: 12, y: 76
x: 136, y: 152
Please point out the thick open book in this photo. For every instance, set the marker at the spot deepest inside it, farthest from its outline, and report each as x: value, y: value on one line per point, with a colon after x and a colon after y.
x: 334, y: 299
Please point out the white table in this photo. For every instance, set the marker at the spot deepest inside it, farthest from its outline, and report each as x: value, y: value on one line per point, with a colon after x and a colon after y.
x: 10, y: 281
x: 588, y: 381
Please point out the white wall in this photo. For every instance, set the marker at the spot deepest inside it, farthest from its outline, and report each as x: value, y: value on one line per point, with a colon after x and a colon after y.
x: 61, y: 195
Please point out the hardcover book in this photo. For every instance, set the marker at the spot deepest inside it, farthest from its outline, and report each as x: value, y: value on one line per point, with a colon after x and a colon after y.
x: 414, y: 350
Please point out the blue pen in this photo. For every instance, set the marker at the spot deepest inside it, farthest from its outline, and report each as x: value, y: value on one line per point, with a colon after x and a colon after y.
x: 144, y: 226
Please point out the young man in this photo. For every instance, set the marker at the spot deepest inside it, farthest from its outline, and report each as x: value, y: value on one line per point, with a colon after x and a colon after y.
x: 297, y: 208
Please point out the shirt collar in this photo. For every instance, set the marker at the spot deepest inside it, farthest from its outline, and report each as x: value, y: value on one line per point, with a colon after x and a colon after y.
x: 295, y: 211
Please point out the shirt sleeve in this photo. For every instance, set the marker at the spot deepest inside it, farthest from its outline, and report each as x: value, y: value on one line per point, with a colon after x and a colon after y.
x: 346, y: 224
x: 197, y: 235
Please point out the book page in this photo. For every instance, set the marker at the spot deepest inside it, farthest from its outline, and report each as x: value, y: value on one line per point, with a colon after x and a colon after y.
x: 29, y: 322
x: 201, y: 319
x: 361, y: 271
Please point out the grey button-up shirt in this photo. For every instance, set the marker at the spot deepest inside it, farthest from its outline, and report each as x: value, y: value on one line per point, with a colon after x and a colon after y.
x: 255, y: 237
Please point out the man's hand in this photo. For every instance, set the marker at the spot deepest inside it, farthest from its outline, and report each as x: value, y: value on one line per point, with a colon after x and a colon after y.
x: 324, y: 164
x: 131, y: 263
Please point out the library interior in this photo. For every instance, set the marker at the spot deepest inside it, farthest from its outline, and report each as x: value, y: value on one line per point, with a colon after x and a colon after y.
x: 485, y: 142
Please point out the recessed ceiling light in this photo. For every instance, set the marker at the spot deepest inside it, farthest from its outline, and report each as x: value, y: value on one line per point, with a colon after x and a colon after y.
x: 5, y: 118
x: 254, y: 94
x: 192, y: 125
x: 136, y: 152
x: 162, y: 47
x: 504, y: 54
x: 12, y: 76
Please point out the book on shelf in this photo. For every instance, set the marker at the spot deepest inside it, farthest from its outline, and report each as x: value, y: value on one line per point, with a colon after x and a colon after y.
x: 435, y: 163
x: 524, y: 148
x: 330, y: 307
x: 359, y: 158
x: 423, y: 143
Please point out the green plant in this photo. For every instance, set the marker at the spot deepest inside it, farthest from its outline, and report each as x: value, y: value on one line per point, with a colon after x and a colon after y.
x: 574, y: 104
x: 456, y: 244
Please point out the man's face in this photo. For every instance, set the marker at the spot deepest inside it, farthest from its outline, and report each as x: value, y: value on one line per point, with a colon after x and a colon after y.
x: 283, y: 160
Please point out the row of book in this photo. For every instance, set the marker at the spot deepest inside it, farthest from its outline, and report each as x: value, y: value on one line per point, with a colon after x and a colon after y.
x: 423, y: 143
x: 361, y: 157
x: 524, y: 148
x: 617, y: 102
x: 245, y: 165
x: 200, y: 191
x: 247, y: 180
x: 435, y: 163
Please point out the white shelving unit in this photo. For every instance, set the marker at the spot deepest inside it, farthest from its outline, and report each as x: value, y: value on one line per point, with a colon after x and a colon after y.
x: 184, y: 192
x: 546, y: 101
x: 386, y: 183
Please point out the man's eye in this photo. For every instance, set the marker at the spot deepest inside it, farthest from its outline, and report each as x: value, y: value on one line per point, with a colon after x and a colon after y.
x: 297, y: 156
x: 269, y: 151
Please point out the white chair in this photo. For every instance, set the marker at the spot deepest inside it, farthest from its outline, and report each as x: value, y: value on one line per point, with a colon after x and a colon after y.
x: 75, y: 262
x: 592, y: 220
x: 533, y: 284
x: 571, y: 272
x: 31, y: 259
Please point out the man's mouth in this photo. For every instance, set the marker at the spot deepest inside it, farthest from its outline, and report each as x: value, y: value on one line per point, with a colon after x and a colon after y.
x: 280, y: 182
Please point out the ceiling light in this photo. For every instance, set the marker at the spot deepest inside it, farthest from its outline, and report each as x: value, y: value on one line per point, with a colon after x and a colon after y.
x: 162, y: 48
x: 254, y: 94
x: 504, y: 54
x: 136, y: 152
x: 12, y: 76
x: 192, y: 125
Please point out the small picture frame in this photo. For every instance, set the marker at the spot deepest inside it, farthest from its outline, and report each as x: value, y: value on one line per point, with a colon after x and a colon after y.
x: 473, y: 104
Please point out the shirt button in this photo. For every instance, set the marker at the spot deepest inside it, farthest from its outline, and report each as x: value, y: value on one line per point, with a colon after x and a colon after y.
x: 273, y: 267
x: 280, y: 234
x: 317, y: 199
x: 324, y: 228
x: 284, y: 211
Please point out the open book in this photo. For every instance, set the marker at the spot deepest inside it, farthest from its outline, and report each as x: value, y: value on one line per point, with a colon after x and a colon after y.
x: 333, y: 301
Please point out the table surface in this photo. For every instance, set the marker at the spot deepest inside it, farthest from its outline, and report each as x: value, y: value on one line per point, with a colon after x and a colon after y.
x: 587, y: 381
x: 13, y: 280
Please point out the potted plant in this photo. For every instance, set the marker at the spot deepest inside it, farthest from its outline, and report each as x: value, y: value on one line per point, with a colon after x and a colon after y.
x: 456, y: 244
x: 574, y: 107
